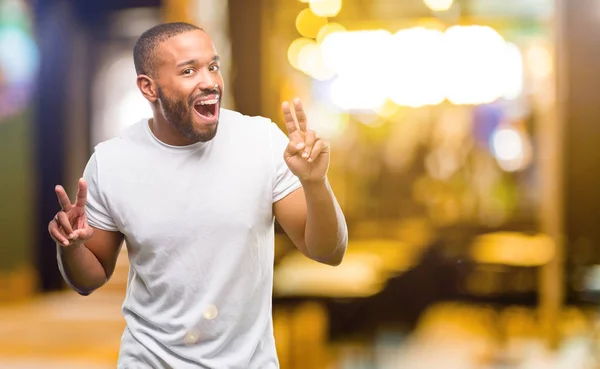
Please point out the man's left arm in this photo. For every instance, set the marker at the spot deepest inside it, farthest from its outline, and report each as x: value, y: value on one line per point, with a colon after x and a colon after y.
x: 311, y: 215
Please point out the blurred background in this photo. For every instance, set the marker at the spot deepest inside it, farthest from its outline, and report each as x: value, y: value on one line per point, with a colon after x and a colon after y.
x: 464, y: 148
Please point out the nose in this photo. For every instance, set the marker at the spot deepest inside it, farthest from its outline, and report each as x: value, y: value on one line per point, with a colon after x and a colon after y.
x: 207, y: 81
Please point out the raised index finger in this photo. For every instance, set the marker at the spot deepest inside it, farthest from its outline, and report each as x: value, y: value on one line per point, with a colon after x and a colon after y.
x: 290, y: 122
x: 82, y: 193
x: 63, y: 199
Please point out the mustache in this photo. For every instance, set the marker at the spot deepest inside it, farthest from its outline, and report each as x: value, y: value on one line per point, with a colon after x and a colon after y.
x: 206, y: 92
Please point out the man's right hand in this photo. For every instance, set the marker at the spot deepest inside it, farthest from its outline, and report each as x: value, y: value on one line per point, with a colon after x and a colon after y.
x: 69, y: 226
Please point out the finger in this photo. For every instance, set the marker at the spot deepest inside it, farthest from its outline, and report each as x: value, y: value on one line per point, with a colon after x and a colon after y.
x: 64, y: 223
x: 319, y: 148
x: 288, y: 117
x: 84, y: 234
x: 82, y: 193
x: 300, y: 116
x: 57, y: 234
x: 295, y: 146
x: 81, y: 222
x: 63, y: 199
x: 309, y: 140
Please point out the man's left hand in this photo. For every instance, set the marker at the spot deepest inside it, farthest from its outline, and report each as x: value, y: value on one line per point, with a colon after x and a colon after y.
x: 306, y: 155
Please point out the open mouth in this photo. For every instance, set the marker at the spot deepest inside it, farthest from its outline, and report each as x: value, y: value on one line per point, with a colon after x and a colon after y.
x: 207, y: 108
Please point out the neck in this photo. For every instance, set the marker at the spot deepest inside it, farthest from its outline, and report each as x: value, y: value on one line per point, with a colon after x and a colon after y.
x: 166, y: 133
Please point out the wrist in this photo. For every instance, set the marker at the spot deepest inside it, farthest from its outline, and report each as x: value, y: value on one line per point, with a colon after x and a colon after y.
x: 73, y: 246
x: 314, y: 183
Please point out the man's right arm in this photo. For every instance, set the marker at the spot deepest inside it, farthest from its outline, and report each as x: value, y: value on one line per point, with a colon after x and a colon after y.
x: 86, y: 255
x: 87, y: 266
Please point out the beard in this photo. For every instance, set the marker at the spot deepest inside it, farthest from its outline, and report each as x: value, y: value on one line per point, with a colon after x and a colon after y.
x: 179, y: 114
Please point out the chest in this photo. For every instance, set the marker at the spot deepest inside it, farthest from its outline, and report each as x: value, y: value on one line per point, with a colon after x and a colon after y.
x: 193, y: 200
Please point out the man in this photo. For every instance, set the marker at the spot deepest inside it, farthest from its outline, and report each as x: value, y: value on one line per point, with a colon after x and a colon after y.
x: 194, y: 191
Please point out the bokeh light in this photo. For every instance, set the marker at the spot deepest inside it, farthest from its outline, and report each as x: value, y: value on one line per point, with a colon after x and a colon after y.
x: 294, y: 50
x: 328, y: 29
x: 308, y: 23
x: 415, y: 67
x: 310, y: 61
x: 326, y: 8
x: 511, y: 148
x: 439, y: 5
x: 474, y: 57
x: 19, y: 57
x: 415, y: 71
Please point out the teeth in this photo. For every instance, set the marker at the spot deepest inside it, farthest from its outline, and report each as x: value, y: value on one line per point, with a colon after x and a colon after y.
x: 207, y: 102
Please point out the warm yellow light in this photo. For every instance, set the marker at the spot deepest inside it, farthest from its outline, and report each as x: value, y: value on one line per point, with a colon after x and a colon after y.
x: 511, y: 148
x: 330, y: 124
x: 387, y: 110
x: 308, y: 23
x: 360, y: 275
x: 309, y: 57
x: 415, y: 67
x: 326, y: 8
x: 474, y: 59
x: 358, y: 93
x: 438, y: 5
x: 356, y: 52
x: 539, y: 62
x: 368, y: 118
x: 328, y: 29
x: 310, y: 61
x: 513, y: 72
x: 305, y: 55
x: 513, y: 249
x: 507, y: 144
x: 361, y: 82
x: 294, y: 50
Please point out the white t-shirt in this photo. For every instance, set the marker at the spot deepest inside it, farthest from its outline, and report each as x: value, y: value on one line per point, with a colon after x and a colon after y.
x: 199, y: 228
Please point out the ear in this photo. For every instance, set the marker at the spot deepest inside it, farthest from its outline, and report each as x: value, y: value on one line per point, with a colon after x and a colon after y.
x: 147, y: 87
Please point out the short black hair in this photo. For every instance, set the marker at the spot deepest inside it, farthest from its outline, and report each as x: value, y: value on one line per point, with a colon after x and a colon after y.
x: 143, y: 51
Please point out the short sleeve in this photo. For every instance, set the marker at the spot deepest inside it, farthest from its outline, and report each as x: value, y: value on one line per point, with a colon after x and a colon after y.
x: 285, y: 181
x: 96, y: 209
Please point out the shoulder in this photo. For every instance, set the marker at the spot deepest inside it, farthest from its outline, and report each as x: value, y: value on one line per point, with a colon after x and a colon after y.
x: 254, y: 134
x: 238, y: 120
x: 117, y: 148
x: 257, y: 127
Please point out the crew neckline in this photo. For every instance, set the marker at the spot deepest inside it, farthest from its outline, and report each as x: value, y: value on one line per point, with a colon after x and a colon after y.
x: 175, y: 148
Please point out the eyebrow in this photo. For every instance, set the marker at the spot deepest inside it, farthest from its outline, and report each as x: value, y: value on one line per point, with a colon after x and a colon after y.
x: 195, y: 61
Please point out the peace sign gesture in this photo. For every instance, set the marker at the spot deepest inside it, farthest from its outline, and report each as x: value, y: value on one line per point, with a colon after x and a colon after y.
x: 70, y: 225
x: 306, y: 155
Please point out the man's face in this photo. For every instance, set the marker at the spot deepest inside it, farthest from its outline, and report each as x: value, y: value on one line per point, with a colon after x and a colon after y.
x: 190, y: 84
